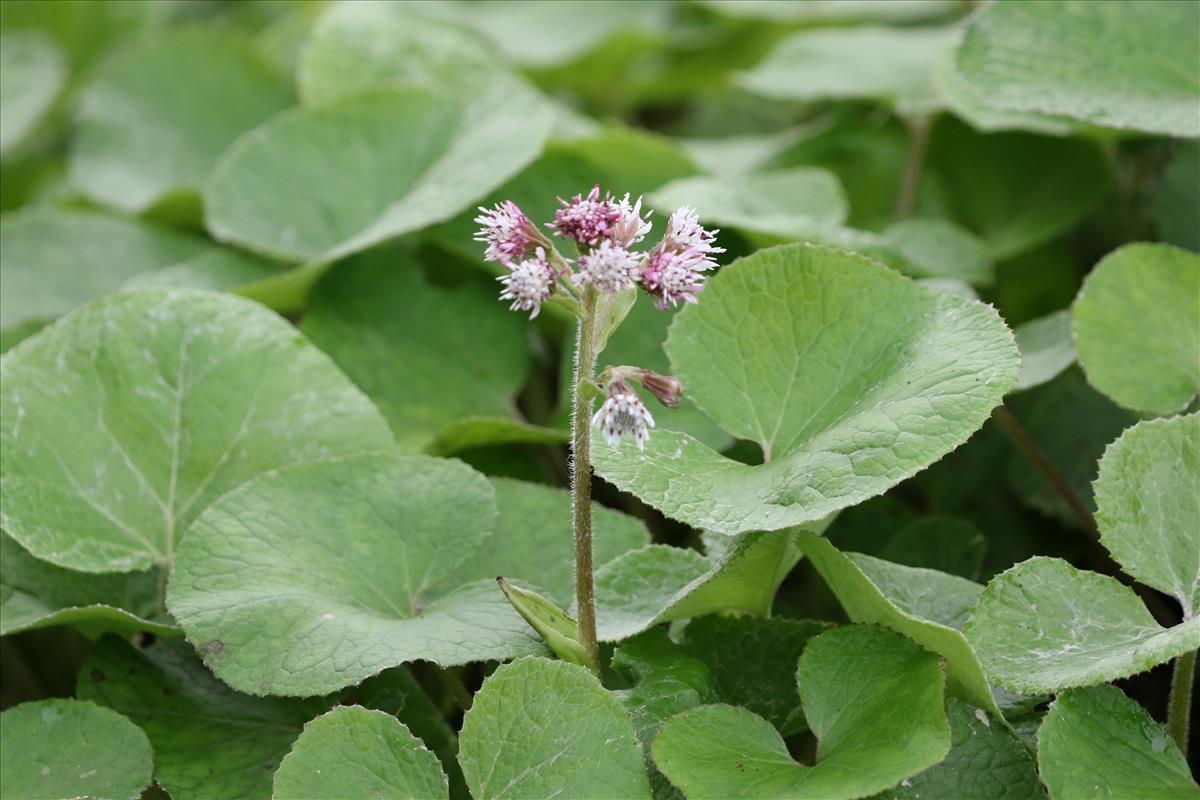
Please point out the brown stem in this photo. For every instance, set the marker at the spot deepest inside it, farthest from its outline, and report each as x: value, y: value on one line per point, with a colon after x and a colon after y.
x: 581, y: 476
x: 1049, y: 471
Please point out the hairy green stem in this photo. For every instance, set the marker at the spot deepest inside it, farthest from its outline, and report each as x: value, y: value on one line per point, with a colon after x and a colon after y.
x: 1179, y: 707
x: 581, y: 475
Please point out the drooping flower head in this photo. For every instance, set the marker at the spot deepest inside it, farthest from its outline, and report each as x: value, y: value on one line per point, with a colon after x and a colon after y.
x: 609, y: 268
x: 623, y: 414
x: 528, y: 284
x: 507, y: 232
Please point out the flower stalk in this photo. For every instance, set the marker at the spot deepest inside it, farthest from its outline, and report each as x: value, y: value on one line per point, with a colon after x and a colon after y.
x: 1179, y: 706
x: 581, y: 474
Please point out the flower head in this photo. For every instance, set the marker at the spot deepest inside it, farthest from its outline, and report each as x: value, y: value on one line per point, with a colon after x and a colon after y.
x: 609, y: 268
x: 671, y: 276
x: 684, y: 232
x: 588, y: 220
x: 528, y: 284
x: 666, y: 388
x: 623, y: 414
x: 630, y: 227
x: 507, y: 232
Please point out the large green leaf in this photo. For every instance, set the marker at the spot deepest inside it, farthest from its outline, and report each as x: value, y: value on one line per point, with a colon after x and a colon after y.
x: 357, y: 752
x: 1047, y: 348
x: 428, y: 357
x: 51, y: 749
x: 831, y: 11
x: 985, y: 761
x: 873, y: 699
x: 926, y: 606
x: 1096, y: 742
x: 317, y: 576
x: 937, y: 542
x: 371, y: 167
x: 533, y: 540
x: 539, y: 728
x: 357, y: 46
x: 1115, y: 63
x: 1014, y: 190
x: 1137, y: 327
x: 892, y: 65
x: 87, y: 33
x: 1044, y: 626
x: 210, y: 742
x: 751, y: 660
x: 55, y: 259
x: 31, y: 74
x: 1148, y: 506
x: 127, y: 417
x: 37, y: 594
x: 849, y: 377
x: 152, y: 128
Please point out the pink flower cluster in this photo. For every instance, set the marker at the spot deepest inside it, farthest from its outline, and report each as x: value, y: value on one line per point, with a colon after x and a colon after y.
x: 605, y: 231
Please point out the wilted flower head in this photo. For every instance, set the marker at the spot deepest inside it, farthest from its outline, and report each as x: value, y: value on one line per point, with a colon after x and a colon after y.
x: 610, y: 268
x: 623, y: 414
x: 588, y: 220
x: 507, y: 232
x: 528, y: 284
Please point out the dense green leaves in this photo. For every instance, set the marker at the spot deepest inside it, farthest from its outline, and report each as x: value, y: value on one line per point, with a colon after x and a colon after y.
x: 1148, y: 506
x: 1096, y: 742
x: 404, y: 159
x: 1137, y: 326
x: 357, y: 752
x: 893, y: 65
x: 37, y: 594
x: 1044, y: 626
x: 833, y: 438
x: 31, y: 74
x: 56, y: 259
x: 124, y: 420
x: 1114, y: 63
x: 153, y: 127
x: 53, y: 749
x: 210, y: 742
x: 540, y: 728
x: 428, y: 357
x: 926, y: 606
x: 317, y: 576
x: 873, y: 699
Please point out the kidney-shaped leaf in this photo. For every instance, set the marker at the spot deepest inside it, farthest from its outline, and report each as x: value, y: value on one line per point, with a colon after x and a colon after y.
x: 1137, y: 327
x: 51, y: 749
x: 127, y: 417
x: 1043, y: 626
x: 1096, y: 742
x: 357, y: 752
x: 541, y: 728
x: 317, y: 576
x: 157, y: 123
x: 371, y: 167
x: 1116, y: 63
x: 1148, y: 506
x: 849, y: 376
x: 873, y: 699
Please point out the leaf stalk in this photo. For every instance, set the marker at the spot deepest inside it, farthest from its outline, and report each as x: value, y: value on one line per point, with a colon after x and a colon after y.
x: 1179, y: 706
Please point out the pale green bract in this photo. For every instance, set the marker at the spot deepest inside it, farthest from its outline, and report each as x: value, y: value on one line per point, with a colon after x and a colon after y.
x: 37, y: 594
x: 892, y: 65
x: 406, y: 158
x: 352, y: 751
x: 210, y: 742
x: 541, y: 728
x: 926, y: 606
x: 873, y: 699
x: 849, y: 376
x: 1148, y: 506
x: 1137, y: 327
x: 1096, y: 742
x: 51, y: 749
x: 152, y: 128
x: 1043, y: 626
x: 127, y: 417
x: 315, y: 577
x: 1119, y: 63
x: 32, y: 72
x: 55, y: 259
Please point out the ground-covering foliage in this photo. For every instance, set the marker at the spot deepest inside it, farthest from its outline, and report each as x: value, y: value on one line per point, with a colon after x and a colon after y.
x: 700, y: 399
